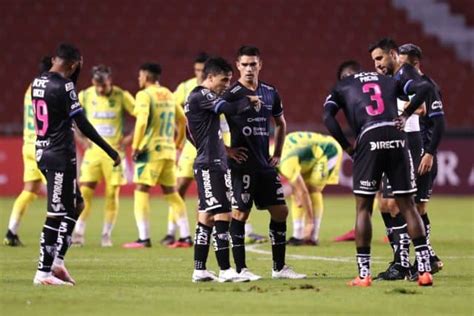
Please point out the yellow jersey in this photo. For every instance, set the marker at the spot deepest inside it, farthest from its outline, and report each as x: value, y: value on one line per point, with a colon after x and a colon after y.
x: 29, y: 134
x: 107, y: 113
x: 155, y: 127
x: 183, y: 90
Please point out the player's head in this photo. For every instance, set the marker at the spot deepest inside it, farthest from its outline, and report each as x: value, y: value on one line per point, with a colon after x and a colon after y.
x: 149, y: 74
x: 410, y: 54
x: 348, y: 68
x: 68, y: 61
x: 217, y: 74
x: 45, y: 64
x: 249, y: 63
x: 199, y: 62
x: 102, y: 79
x: 384, y: 53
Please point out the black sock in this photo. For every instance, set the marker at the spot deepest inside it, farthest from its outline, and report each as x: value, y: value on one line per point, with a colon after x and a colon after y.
x: 48, y: 248
x: 64, y: 236
x: 278, y: 240
x: 363, y: 261
x: 388, y: 221
x: 422, y: 254
x: 201, y: 246
x: 221, y: 244
x: 237, y: 233
x: 402, y: 242
x: 427, y: 224
x: 9, y: 234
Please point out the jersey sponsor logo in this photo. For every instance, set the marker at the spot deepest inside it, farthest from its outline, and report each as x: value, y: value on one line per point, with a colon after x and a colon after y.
x: 75, y: 105
x: 256, y: 119
x: 104, y: 114
x: 38, y: 155
x: 58, y: 207
x: 389, y: 144
x: 255, y: 131
x: 368, y: 184
x: 73, y: 95
x: 42, y: 143
x: 40, y: 83
x: 206, y: 179
x: 38, y: 93
x: 69, y: 86
x: 437, y: 105
x: 58, y: 187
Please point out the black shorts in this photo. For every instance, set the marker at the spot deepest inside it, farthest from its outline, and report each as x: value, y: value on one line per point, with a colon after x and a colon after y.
x: 214, y: 189
x: 263, y: 186
x: 415, y: 146
x: 383, y: 150
x: 425, y: 182
x: 63, y: 191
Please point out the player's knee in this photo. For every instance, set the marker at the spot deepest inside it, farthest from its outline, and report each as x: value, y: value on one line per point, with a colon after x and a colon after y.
x: 421, y: 207
x: 278, y: 213
x: 240, y: 216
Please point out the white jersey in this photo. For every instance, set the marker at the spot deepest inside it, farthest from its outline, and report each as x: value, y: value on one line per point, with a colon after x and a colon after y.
x: 413, y: 122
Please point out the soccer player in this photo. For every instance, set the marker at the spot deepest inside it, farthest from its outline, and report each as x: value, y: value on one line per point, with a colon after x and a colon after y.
x: 309, y: 161
x: 210, y: 168
x: 153, y: 150
x: 432, y: 126
x: 105, y: 106
x: 384, y: 53
x: 254, y: 174
x: 369, y: 102
x: 32, y: 176
x: 56, y: 106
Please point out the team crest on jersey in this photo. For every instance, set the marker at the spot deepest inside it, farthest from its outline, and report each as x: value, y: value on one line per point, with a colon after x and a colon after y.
x: 73, y: 95
x: 69, y: 86
x: 245, y: 197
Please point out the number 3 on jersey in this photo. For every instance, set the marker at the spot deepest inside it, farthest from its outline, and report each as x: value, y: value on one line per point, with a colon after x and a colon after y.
x: 41, y: 113
x: 375, y: 95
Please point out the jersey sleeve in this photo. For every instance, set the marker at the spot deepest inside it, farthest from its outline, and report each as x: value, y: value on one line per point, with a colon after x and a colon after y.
x: 277, y: 108
x: 435, y: 108
x: 128, y: 102
x: 406, y: 76
x: 71, y: 99
x: 334, y: 99
x: 142, y: 104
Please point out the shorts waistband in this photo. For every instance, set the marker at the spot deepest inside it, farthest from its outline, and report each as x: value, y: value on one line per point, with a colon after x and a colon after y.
x: 372, y: 126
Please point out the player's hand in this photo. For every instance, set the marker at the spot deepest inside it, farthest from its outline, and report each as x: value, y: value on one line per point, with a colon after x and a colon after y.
x: 256, y: 102
x: 274, y: 161
x: 137, y: 153
x: 239, y: 154
x: 426, y: 164
x: 400, y: 122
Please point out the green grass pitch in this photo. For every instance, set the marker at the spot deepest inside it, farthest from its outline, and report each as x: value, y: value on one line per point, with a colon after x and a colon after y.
x: 157, y: 281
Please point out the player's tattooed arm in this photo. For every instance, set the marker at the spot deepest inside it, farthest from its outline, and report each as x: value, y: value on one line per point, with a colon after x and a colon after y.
x: 239, y: 154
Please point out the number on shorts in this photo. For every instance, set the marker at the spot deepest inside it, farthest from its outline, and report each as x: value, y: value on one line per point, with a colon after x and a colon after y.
x: 41, y: 112
x: 375, y: 95
x: 246, y: 181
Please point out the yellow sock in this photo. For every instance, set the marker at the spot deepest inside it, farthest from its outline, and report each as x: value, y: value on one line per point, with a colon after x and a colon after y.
x: 318, y: 208
x: 87, y: 195
x: 297, y: 214
x: 19, y: 208
x: 111, y: 208
x: 172, y: 225
x: 179, y: 214
x: 141, y: 205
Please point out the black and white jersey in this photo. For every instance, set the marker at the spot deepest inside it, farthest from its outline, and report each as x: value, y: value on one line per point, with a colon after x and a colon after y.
x: 434, y: 107
x: 55, y: 103
x: 203, y: 128
x: 367, y: 98
x: 251, y: 129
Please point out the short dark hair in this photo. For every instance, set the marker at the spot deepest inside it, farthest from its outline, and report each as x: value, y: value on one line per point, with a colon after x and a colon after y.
x: 101, y: 72
x: 201, y: 58
x: 248, y: 50
x: 411, y: 50
x: 68, y: 52
x: 215, y: 66
x: 45, y: 64
x: 153, y: 69
x: 385, y: 44
x: 351, y: 64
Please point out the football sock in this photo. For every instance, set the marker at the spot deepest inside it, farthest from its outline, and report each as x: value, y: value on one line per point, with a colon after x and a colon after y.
x: 87, y: 195
x: 201, y: 246
x: 426, y: 222
x: 237, y: 233
x: 172, y: 226
x: 297, y: 214
x: 19, y: 208
x: 422, y: 254
x: 387, y: 220
x: 363, y: 261
x: 64, y: 236
x: 48, y: 248
x: 178, y: 207
x: 402, y: 241
x: 221, y: 244
x: 111, y: 208
x: 318, y: 208
x: 278, y: 241
x: 141, y: 204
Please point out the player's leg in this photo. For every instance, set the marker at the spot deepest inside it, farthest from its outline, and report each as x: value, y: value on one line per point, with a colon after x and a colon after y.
x: 298, y: 217
x: 87, y: 190
x: 201, y: 246
x: 316, y: 194
x: 111, y: 207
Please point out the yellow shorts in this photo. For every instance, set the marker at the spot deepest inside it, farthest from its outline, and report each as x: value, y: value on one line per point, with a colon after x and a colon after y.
x: 97, y: 166
x: 186, y: 161
x: 30, y: 167
x: 150, y: 173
